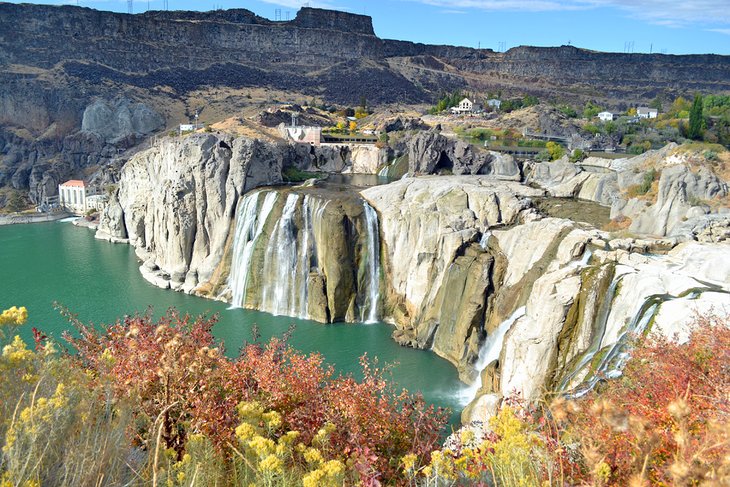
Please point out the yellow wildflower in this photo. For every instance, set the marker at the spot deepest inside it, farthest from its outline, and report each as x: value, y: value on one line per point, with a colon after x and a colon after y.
x: 409, y: 462
x: 312, y: 455
x: 272, y: 419
x: 244, y: 431
x: 333, y: 468
x: 466, y: 436
x: 14, y: 316
x: 272, y: 464
x: 289, y: 438
x: 262, y: 446
x: 313, y: 479
x: 17, y: 352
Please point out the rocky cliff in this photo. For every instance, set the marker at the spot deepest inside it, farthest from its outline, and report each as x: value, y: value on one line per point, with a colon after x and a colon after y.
x: 176, y: 201
x: 473, y: 267
x: 57, y: 63
x: 660, y: 193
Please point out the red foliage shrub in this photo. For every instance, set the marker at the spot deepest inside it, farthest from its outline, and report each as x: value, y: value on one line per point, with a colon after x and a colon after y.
x: 666, y: 420
x: 179, y: 382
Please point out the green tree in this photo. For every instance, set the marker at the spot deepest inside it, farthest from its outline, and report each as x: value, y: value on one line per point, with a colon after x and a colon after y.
x: 656, y: 103
x: 591, y: 110
x: 679, y: 107
x: 555, y: 150
x: 695, y: 119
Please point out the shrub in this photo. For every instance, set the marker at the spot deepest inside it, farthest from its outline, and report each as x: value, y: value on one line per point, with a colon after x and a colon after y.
x: 555, y: 150
x: 181, y: 385
x: 577, y: 155
x: 666, y: 420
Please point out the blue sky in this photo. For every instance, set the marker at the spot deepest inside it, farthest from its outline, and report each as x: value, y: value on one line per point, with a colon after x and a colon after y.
x: 670, y: 26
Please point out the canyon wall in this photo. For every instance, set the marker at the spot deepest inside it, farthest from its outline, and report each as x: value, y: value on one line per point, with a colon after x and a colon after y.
x: 476, y: 268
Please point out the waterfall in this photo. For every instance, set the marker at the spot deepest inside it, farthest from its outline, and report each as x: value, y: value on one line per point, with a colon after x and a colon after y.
x: 373, y: 263
x: 280, y: 257
x: 612, y: 363
x: 484, y: 240
x: 491, y: 348
x: 249, y: 225
x: 304, y: 261
x: 280, y: 262
x: 386, y: 169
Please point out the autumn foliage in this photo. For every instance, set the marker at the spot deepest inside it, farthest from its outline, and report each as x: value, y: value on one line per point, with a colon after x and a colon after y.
x: 157, y: 402
x: 666, y: 421
x: 181, y: 383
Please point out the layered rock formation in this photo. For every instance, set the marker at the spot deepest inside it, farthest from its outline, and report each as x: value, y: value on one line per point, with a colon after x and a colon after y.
x: 433, y: 263
x: 675, y: 186
x: 432, y: 153
x: 176, y: 201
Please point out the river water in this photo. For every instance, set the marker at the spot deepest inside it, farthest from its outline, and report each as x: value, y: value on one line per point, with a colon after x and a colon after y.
x: 100, y: 281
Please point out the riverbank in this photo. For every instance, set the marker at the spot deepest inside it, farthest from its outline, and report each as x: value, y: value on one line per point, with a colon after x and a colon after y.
x: 17, y: 219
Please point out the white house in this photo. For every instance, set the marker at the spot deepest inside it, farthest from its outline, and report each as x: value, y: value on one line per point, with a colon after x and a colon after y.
x: 72, y: 196
x: 465, y: 106
x: 494, y: 103
x: 646, y: 112
x: 605, y: 116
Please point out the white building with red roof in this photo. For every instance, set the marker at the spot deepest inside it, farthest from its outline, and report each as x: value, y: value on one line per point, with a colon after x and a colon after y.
x: 72, y: 196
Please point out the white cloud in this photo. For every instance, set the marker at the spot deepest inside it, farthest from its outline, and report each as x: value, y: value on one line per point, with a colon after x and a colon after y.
x: 721, y: 31
x: 673, y: 13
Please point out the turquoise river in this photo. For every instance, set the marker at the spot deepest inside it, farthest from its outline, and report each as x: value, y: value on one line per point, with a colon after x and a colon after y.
x: 44, y: 263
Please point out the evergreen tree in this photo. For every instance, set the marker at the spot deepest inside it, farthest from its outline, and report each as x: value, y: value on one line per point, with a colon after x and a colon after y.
x: 695, y: 119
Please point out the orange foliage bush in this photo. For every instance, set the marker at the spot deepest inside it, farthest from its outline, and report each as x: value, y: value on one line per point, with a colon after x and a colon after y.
x: 179, y: 383
x: 666, y: 420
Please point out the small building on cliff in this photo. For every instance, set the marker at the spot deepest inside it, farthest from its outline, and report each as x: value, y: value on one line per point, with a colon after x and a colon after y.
x: 301, y: 134
x: 605, y: 116
x: 646, y: 112
x: 466, y: 106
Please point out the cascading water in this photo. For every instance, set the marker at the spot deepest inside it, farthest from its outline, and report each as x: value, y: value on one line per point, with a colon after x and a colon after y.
x: 489, y: 352
x: 280, y: 263
x: 274, y: 263
x: 249, y: 225
x: 373, y: 264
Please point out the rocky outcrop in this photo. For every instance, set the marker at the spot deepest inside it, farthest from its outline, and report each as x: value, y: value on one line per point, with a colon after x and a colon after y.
x: 436, y: 273
x: 433, y: 153
x: 178, y: 199
x: 674, y: 186
x: 345, y: 158
x: 120, y: 120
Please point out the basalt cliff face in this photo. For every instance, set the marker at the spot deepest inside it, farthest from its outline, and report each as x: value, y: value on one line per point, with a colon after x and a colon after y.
x: 57, y: 63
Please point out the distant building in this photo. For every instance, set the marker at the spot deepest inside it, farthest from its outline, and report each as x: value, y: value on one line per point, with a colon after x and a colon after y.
x: 646, y: 112
x: 494, y: 103
x: 605, y: 116
x: 72, y: 196
x: 302, y: 135
x: 189, y: 127
x: 466, y: 106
